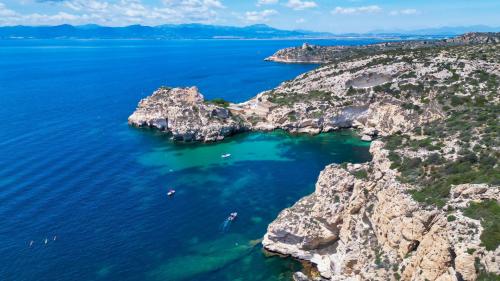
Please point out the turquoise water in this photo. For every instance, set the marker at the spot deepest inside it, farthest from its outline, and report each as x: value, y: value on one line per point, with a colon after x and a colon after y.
x: 72, y: 169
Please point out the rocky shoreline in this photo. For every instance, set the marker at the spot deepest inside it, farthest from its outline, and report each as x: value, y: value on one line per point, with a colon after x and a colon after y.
x: 184, y: 113
x: 328, y: 54
x: 370, y: 228
x: 426, y: 206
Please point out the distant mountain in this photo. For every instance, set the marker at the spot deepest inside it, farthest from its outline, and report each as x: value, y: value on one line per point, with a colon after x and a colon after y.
x: 181, y: 31
x: 202, y: 31
x: 447, y: 30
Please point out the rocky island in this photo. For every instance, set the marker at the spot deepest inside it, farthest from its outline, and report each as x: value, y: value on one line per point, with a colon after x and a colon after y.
x: 186, y: 115
x: 427, y: 206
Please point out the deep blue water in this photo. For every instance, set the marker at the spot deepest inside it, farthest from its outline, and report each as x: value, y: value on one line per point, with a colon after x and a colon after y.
x: 71, y: 168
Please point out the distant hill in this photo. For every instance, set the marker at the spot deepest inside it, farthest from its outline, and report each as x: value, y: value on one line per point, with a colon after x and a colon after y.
x: 202, y: 31
x: 181, y: 31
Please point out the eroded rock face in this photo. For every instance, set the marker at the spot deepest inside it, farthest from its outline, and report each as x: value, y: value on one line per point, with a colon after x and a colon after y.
x: 371, y: 229
x: 184, y: 113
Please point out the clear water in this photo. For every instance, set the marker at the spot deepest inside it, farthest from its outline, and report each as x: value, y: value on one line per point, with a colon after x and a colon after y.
x: 71, y: 168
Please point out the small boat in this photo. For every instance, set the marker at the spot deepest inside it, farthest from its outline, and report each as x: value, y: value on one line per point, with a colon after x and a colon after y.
x: 31, y: 243
x: 227, y: 155
x: 46, y: 240
x: 171, y: 192
x: 232, y: 216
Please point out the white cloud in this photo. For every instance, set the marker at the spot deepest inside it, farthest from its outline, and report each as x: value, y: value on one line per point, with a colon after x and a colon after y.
x: 301, y: 4
x: 357, y: 10
x: 404, y: 12
x: 194, y: 4
x: 121, y: 12
x: 5, y: 12
x: 267, y: 2
x: 301, y: 20
x: 10, y: 17
x: 83, y: 5
x: 259, y: 16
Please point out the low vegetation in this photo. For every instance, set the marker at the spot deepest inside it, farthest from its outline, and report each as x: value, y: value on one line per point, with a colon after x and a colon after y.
x: 488, y: 212
x: 462, y: 148
x: 219, y: 101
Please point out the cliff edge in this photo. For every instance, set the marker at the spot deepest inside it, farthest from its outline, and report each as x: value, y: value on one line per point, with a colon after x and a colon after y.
x: 185, y: 114
x: 426, y: 207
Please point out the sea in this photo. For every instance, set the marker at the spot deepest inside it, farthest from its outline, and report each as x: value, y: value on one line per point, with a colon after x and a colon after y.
x: 83, y: 196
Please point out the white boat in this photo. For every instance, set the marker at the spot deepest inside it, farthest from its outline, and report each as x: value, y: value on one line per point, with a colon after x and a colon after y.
x: 171, y: 192
x: 226, y: 155
x: 232, y: 216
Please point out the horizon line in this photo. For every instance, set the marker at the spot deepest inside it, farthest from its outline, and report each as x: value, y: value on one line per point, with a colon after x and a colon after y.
x: 375, y: 31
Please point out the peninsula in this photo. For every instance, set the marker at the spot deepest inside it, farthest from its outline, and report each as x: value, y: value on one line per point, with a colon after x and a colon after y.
x: 426, y: 207
x: 327, y: 54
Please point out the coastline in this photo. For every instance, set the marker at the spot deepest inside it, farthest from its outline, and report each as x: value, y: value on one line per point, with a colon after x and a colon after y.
x: 362, y: 207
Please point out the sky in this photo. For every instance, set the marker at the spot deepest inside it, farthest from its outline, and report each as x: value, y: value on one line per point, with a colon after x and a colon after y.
x: 338, y: 16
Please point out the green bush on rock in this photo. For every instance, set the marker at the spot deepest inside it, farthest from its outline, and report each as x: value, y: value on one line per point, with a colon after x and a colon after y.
x: 488, y: 212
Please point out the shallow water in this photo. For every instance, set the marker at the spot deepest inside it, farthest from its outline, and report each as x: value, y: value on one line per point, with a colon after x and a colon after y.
x: 70, y: 166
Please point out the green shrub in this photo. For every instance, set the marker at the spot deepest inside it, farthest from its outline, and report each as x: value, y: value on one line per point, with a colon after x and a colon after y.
x: 483, y: 275
x: 360, y: 174
x: 432, y: 194
x: 393, y: 142
x: 394, y: 158
x: 488, y: 276
x: 319, y: 95
x: 219, y: 101
x: 488, y: 212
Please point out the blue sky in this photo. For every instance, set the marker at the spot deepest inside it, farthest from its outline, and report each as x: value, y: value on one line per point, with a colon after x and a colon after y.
x: 320, y: 15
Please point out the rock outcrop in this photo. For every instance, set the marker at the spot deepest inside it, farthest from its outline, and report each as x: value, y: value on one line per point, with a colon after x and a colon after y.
x: 325, y: 54
x: 371, y: 229
x: 185, y: 114
x: 477, y: 38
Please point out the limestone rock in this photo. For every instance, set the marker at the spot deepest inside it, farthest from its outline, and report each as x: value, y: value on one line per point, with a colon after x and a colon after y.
x: 184, y: 113
x: 362, y: 229
x: 299, y: 276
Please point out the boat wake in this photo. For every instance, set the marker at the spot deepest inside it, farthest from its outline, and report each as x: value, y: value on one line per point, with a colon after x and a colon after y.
x: 227, y: 222
x: 225, y: 225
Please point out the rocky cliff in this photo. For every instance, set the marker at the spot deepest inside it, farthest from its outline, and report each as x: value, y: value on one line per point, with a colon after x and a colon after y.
x: 325, y: 54
x: 409, y: 213
x: 361, y: 223
x: 185, y: 114
x: 426, y: 207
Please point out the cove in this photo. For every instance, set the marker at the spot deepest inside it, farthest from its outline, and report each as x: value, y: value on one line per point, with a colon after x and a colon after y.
x: 266, y: 173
